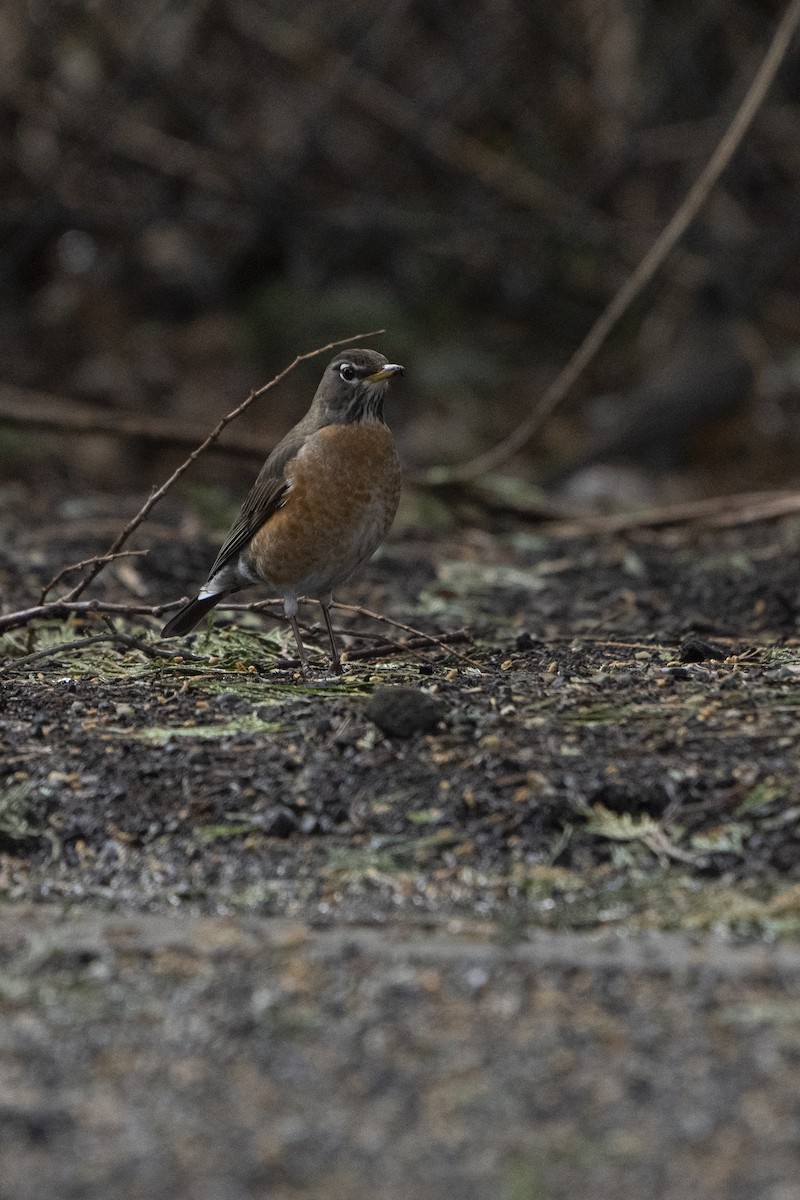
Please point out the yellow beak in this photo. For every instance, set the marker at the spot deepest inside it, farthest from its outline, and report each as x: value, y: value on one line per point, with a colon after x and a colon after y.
x: 385, y: 373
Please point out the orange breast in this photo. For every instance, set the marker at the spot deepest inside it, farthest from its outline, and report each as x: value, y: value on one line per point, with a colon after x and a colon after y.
x: 344, y: 487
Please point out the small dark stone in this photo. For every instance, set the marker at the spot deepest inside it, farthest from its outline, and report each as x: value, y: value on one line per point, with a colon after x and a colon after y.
x: 524, y: 641
x: 653, y: 798
x: 678, y: 673
x: 230, y: 703
x: 403, y: 711
x: 694, y: 650
x: 280, y: 822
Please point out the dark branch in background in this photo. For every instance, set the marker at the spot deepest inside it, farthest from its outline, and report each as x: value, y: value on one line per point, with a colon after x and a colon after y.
x: 644, y: 272
x: 168, y: 484
x: 41, y: 410
x: 394, y: 111
x: 139, y: 143
x: 717, y: 512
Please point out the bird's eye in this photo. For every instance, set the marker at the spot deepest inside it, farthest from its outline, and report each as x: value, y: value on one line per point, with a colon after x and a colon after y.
x: 347, y: 372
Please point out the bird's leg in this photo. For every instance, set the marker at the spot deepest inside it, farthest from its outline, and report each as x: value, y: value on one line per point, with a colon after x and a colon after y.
x: 301, y: 650
x: 290, y: 612
x: 325, y: 605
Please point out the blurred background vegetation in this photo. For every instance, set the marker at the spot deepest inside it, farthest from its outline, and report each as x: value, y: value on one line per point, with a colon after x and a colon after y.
x: 193, y: 191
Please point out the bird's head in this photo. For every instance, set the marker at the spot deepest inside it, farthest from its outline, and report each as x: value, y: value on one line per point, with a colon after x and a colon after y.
x: 354, y: 387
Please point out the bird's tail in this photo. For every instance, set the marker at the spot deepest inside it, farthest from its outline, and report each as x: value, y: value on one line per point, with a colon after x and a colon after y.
x: 189, y: 616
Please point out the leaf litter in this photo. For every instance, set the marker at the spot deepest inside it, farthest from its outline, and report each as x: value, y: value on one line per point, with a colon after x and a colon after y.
x: 584, y: 758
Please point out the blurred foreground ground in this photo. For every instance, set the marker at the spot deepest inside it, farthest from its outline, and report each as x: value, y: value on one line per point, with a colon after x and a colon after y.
x: 229, y: 1059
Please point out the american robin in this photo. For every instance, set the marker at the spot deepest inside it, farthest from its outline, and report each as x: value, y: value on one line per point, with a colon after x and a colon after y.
x: 322, y: 504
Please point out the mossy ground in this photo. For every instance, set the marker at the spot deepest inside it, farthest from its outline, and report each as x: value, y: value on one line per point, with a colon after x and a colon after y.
x: 620, y: 743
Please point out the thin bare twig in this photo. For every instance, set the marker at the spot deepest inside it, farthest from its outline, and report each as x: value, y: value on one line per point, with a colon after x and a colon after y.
x: 390, y: 649
x: 417, y: 633
x: 65, y: 608
x: 425, y: 638
x: 166, y: 486
x: 134, y: 643
x: 643, y: 273
x: 386, y: 649
x: 114, y: 637
x: 85, y: 562
x: 423, y: 642
x: 59, y: 575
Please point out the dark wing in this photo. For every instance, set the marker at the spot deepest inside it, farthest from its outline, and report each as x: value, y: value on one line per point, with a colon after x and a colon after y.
x: 265, y: 498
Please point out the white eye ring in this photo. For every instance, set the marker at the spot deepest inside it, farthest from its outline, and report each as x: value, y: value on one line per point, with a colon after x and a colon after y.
x: 347, y: 372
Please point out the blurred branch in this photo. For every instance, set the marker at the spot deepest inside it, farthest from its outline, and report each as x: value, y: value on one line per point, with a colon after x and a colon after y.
x: 41, y: 410
x: 131, y: 139
x: 442, y: 140
x: 644, y: 272
x: 716, y: 512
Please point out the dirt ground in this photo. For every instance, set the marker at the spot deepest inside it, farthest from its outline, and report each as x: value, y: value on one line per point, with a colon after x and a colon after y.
x: 222, y: 1059
x: 254, y: 944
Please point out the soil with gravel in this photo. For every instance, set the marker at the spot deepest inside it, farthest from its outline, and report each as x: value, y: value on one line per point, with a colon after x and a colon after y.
x: 524, y: 928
